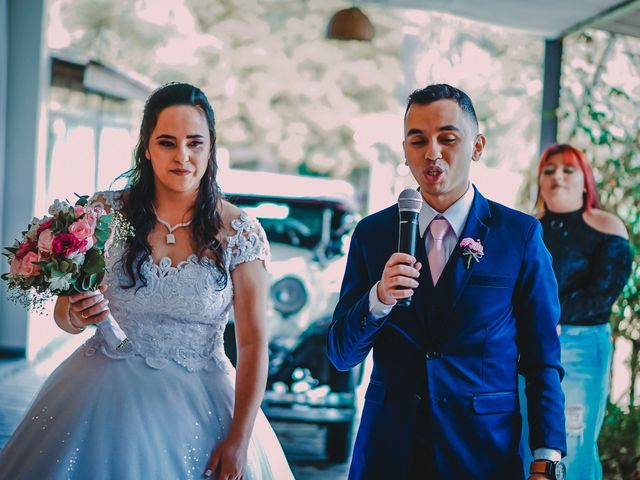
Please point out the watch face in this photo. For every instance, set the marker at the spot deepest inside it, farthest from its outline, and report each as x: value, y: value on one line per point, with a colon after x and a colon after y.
x: 560, y: 471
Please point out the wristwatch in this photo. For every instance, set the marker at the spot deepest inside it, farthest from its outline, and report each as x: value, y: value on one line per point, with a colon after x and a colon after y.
x: 548, y: 468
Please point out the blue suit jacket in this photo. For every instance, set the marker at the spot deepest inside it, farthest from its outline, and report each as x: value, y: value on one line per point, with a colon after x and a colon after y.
x: 452, y: 357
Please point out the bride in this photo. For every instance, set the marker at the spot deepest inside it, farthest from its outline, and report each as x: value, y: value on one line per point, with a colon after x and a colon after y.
x: 172, y: 407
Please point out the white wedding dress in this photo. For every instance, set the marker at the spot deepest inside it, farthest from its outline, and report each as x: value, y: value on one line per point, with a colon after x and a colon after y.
x: 158, y: 411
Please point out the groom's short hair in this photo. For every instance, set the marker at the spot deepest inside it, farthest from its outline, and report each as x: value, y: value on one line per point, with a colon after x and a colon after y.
x: 442, y: 91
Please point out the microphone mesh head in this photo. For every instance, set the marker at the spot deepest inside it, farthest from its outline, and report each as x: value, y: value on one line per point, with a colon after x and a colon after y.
x: 409, y: 201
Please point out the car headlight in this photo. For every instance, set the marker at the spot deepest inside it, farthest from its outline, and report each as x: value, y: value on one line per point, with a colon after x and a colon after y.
x: 289, y: 295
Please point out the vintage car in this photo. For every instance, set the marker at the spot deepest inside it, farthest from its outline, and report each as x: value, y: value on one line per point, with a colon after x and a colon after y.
x: 308, y: 221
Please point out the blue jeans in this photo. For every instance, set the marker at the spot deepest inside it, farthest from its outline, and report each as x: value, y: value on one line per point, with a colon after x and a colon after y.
x: 586, y: 357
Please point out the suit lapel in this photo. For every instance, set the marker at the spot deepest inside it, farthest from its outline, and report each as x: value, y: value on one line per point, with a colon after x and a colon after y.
x: 456, y: 274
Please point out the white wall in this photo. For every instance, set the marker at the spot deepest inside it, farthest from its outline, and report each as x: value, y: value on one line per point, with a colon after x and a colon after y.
x: 4, y: 47
x: 22, y: 58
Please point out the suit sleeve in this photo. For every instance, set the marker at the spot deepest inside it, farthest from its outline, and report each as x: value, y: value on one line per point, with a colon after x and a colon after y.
x: 537, y: 311
x: 353, y: 329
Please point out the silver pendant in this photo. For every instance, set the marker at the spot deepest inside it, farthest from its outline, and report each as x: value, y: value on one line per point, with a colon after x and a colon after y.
x: 171, y: 238
x: 556, y: 224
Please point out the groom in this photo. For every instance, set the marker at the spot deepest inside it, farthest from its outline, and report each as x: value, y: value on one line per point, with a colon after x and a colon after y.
x: 442, y: 402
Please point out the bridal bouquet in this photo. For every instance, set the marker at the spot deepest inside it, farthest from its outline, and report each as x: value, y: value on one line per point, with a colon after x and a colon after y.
x: 64, y: 253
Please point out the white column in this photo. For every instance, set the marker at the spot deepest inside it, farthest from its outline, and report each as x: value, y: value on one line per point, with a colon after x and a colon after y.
x: 4, y: 62
x: 24, y: 77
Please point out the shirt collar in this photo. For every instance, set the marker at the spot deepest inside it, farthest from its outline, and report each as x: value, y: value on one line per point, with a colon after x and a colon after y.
x: 456, y: 214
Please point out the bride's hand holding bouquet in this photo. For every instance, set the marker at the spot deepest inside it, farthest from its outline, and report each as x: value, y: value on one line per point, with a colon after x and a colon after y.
x: 87, y: 308
x: 64, y: 254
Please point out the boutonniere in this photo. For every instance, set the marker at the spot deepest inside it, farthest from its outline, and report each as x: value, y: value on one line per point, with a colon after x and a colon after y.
x: 472, y: 249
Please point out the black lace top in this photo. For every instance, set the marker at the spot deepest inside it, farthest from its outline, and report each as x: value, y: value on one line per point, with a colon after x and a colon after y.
x: 591, y: 267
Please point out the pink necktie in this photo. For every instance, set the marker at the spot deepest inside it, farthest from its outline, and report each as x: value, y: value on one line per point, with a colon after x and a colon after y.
x: 437, y: 254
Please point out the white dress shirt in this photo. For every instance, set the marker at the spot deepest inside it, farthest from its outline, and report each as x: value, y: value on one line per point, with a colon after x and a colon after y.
x: 456, y: 215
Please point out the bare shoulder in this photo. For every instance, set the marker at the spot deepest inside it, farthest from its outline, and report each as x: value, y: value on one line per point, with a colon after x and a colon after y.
x: 605, y: 222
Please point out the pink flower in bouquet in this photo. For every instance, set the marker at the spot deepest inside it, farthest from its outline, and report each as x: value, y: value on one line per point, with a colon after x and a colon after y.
x: 25, y: 247
x: 91, y: 218
x: 79, y: 211
x: 45, y: 240
x: 81, y: 229
x: 471, y: 244
x: 66, y: 244
x: 16, y: 265
x: 89, y: 242
x: 44, y: 225
x: 27, y: 268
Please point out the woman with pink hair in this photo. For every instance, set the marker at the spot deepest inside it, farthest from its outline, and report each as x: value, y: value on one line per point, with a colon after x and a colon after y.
x: 592, y: 262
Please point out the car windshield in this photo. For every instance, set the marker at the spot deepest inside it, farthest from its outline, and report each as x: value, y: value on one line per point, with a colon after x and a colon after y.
x: 301, y: 223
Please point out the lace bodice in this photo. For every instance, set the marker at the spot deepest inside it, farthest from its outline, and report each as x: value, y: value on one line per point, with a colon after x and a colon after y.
x: 181, y: 314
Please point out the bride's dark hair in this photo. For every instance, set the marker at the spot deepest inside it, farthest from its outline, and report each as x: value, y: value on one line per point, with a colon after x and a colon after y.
x: 138, y: 204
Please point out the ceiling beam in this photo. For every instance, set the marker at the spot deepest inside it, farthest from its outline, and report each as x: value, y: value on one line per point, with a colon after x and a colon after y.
x: 610, y: 14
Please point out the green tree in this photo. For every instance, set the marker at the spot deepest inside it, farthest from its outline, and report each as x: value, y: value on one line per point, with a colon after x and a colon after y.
x: 600, y: 101
x: 106, y: 30
x: 290, y: 99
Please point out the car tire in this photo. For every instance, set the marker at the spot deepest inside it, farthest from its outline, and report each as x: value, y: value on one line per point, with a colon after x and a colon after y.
x: 339, y: 440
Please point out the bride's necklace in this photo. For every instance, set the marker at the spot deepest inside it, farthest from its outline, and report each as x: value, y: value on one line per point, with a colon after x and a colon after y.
x: 171, y: 238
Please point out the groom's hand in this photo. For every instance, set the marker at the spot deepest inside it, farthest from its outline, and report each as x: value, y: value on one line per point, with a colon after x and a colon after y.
x: 398, y: 278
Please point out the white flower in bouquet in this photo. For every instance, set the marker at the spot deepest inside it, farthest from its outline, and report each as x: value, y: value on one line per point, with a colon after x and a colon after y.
x: 57, y: 206
x: 32, y: 233
x: 60, y: 282
x: 77, y: 258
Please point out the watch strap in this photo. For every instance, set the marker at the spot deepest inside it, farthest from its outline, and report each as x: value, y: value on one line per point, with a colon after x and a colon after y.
x: 542, y: 467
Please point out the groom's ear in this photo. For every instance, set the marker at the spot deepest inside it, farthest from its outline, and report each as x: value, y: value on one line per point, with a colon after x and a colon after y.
x: 478, y: 147
x: 404, y: 151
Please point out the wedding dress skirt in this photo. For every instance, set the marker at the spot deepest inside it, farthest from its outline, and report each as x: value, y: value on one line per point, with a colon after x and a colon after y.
x: 104, y: 419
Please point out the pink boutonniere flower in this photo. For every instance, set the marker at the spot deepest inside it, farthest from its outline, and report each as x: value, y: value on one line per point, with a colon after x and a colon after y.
x: 472, y: 250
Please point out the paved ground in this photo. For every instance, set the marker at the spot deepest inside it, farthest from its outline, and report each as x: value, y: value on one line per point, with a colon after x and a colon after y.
x: 303, y: 446
x: 20, y: 381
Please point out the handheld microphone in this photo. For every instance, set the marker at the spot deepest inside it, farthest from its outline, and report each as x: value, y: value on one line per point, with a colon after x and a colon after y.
x: 409, y: 204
